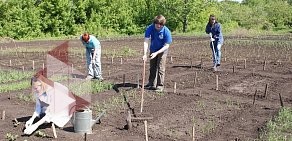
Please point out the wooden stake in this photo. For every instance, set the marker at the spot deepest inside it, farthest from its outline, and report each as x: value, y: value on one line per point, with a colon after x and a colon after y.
x: 193, y: 132
x: 112, y: 61
x: 32, y: 64
x: 124, y: 80
x: 174, y: 87
x: 264, y: 66
x: 146, y: 132
x: 22, y: 68
x: 129, y: 120
x: 253, y: 71
x: 244, y: 64
x: 54, y: 130
x: 192, y: 63
x: 217, y: 81
x: 254, y: 97
x: 201, y: 63
x: 3, y: 115
x: 85, y: 136
x: 43, y: 66
x: 143, y: 83
x: 281, y: 101
x: 72, y: 68
x: 171, y: 60
x: 266, y: 91
x: 121, y: 61
x: 10, y: 64
x: 195, y: 79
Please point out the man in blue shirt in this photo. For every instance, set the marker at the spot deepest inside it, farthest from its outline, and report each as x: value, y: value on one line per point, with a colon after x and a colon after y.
x: 93, y: 54
x: 160, y: 37
x: 213, y: 28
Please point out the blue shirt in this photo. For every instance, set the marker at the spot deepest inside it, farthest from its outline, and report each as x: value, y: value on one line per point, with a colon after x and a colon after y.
x: 42, y: 102
x: 216, y: 32
x: 158, y: 38
x: 93, y: 43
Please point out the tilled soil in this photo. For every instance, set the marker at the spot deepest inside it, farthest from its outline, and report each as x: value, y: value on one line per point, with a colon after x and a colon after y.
x: 238, y: 109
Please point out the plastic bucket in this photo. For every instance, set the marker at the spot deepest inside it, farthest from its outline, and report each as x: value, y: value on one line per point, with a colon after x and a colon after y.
x: 83, y: 121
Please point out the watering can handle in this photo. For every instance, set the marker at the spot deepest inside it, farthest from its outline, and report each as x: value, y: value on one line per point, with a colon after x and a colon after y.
x: 98, y: 117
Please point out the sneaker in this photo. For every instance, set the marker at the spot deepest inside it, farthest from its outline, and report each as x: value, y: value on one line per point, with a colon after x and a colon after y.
x: 159, y: 89
x: 217, y: 65
x: 98, y: 78
x: 89, y: 77
x: 148, y: 86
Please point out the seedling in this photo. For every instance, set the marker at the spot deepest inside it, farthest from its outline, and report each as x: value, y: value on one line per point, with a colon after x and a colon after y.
x: 11, y: 137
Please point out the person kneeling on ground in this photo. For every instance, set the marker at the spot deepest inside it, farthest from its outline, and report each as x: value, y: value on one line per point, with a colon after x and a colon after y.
x: 44, y: 107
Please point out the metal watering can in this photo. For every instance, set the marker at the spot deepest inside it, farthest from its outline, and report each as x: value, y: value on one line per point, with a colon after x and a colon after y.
x: 82, y: 120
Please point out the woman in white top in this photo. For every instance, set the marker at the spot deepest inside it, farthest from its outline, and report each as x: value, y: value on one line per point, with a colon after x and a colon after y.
x: 47, y: 95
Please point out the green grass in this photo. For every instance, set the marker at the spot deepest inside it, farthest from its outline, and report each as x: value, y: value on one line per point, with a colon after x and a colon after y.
x: 13, y: 75
x: 14, y: 86
x: 89, y: 87
x: 122, y: 52
x: 279, y: 129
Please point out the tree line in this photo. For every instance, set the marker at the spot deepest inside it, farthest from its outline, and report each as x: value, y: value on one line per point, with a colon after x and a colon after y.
x: 29, y: 19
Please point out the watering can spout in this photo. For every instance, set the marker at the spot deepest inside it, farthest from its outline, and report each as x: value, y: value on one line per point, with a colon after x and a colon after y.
x: 94, y: 121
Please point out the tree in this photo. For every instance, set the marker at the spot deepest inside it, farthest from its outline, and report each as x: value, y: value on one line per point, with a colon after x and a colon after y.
x: 182, y: 11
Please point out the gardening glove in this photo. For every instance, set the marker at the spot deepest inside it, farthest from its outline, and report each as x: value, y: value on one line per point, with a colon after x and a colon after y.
x: 153, y: 55
x: 30, y: 129
x: 144, y: 57
x: 212, y: 40
x: 30, y: 121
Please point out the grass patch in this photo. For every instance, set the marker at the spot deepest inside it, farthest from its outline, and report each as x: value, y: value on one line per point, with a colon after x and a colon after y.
x: 123, y: 52
x: 280, y: 128
x: 15, y: 86
x: 89, y: 87
x: 13, y: 75
x: 26, y: 97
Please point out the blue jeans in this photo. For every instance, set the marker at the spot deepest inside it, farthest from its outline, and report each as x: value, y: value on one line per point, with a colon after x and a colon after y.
x: 94, y: 70
x: 217, y: 55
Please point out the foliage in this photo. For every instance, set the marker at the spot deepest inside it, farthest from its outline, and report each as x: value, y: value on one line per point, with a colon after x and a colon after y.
x: 41, y: 134
x: 89, y: 87
x: 13, y: 75
x: 26, y: 97
x: 11, y: 137
x: 29, y: 19
x: 14, y: 86
x: 122, y: 52
x: 281, y: 127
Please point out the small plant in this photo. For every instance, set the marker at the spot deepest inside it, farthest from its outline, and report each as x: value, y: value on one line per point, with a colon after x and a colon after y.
x: 11, y: 137
x: 41, y: 134
x: 25, y: 97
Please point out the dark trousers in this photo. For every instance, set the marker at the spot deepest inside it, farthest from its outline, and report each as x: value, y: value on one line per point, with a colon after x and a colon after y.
x: 157, y: 70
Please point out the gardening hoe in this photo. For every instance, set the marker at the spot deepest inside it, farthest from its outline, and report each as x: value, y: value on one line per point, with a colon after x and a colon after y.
x: 143, y: 82
x: 213, y: 49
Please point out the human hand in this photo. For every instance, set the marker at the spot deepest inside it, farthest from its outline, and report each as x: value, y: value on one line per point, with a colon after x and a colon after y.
x: 153, y: 55
x: 144, y: 57
x: 29, y: 122
x: 212, y: 40
x: 30, y: 129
